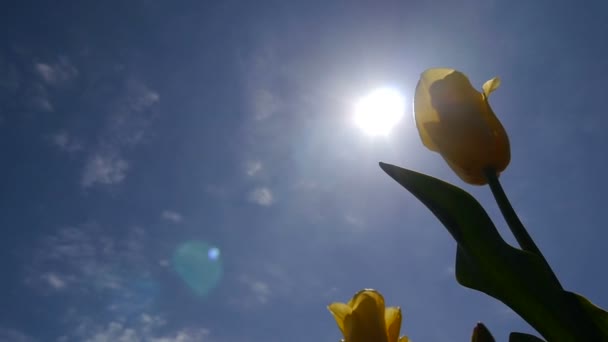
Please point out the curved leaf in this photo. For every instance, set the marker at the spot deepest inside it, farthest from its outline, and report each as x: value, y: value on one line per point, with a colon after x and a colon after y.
x: 485, y: 262
x: 521, y: 337
x: 598, y: 316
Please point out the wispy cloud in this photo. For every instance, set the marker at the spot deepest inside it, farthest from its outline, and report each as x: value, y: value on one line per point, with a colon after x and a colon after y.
x: 131, y: 115
x: 38, y: 99
x: 146, y: 328
x: 253, y: 167
x: 22, y: 92
x: 51, y: 74
x: 113, y: 270
x: 104, y: 169
x: 260, y: 290
x: 354, y: 221
x: 55, y: 73
x: 171, y: 216
x: 54, y: 280
x: 85, y: 259
x: 254, y: 292
x: 266, y: 281
x: 14, y: 336
x: 260, y: 76
x: 126, y: 127
x: 128, y: 117
x: 66, y: 142
x: 265, y: 103
x: 261, y: 196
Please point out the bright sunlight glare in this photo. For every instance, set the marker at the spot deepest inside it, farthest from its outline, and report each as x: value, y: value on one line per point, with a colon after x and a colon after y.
x: 378, y: 112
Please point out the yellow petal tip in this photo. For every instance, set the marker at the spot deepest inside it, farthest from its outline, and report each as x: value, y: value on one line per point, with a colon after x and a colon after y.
x: 490, y: 86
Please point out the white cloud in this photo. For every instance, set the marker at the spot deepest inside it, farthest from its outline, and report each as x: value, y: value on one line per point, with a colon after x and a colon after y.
x: 32, y: 94
x: 144, y: 329
x: 262, y: 196
x: 41, y: 103
x: 114, y: 332
x: 129, y: 118
x: 172, y: 216
x: 60, y: 139
x: 85, y: 258
x: 261, y: 290
x: 56, y: 73
x: 190, y: 335
x: 112, y: 269
x: 141, y: 97
x: 265, y: 281
x: 14, y: 336
x: 265, y: 104
x: 54, y: 280
x: 104, y: 169
x: 253, y: 167
x: 65, y: 142
x: 45, y: 71
x: 256, y: 292
x: 354, y: 221
x: 262, y: 68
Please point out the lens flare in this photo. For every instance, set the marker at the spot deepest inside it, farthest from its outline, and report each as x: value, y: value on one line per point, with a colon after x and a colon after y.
x: 214, y: 253
x: 199, y: 265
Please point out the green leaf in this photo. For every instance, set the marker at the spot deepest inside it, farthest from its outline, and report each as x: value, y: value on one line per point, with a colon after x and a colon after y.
x: 521, y: 337
x: 596, y: 314
x: 485, y: 262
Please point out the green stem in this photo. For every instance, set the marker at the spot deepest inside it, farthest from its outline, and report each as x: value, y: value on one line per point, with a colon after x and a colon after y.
x: 517, y: 228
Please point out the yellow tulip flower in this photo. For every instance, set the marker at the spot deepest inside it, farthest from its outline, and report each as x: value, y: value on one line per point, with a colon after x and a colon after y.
x: 457, y: 121
x: 365, y: 319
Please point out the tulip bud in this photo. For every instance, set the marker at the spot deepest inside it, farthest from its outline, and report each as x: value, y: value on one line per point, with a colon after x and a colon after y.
x: 366, y: 319
x: 481, y: 334
x: 457, y: 121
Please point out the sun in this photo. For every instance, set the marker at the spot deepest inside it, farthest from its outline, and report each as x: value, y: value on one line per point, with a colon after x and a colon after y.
x: 379, y: 111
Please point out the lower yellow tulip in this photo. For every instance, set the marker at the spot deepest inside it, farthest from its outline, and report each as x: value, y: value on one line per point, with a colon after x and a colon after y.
x: 365, y: 319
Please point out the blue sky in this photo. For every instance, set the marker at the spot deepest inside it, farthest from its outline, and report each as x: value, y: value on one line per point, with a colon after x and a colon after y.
x: 136, y: 135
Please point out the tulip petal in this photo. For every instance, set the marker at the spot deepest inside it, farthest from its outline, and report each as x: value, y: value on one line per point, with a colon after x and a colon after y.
x: 444, y: 137
x: 502, y: 148
x: 423, y: 108
x: 392, y: 317
x: 367, y: 319
x: 404, y: 339
x: 363, y: 294
x: 490, y: 86
x: 456, y: 120
x: 341, y: 312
